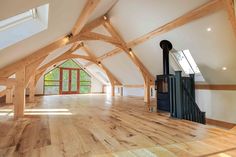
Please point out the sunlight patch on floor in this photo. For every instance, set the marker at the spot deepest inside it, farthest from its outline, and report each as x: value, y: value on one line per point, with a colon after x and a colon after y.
x: 59, y: 111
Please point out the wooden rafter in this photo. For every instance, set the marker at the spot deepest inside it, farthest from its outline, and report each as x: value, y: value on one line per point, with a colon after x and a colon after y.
x: 86, y: 12
x: 202, y: 11
x: 11, y: 69
x: 144, y: 71
x: 67, y: 55
x: 25, y: 69
x: 112, y: 78
x: 229, y: 6
x: 45, y: 51
x: 90, y: 26
x: 30, y: 70
x: 7, y: 81
x: 97, y: 36
x: 41, y: 70
x: 147, y: 76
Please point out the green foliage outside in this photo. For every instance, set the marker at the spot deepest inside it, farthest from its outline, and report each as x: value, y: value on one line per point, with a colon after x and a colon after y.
x: 53, y: 75
x: 69, y: 64
x: 84, y: 89
x: 84, y: 76
x: 51, y: 79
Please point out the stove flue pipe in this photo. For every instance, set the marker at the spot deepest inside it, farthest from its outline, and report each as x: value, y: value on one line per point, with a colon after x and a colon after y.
x: 166, y: 46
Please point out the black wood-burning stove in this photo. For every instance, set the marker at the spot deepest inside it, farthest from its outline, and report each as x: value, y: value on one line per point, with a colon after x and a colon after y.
x: 162, y: 83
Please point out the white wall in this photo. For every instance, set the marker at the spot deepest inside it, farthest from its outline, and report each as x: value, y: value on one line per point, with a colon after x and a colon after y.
x: 96, y: 86
x: 128, y: 91
x: 39, y: 86
x: 133, y: 91
x: 218, y: 104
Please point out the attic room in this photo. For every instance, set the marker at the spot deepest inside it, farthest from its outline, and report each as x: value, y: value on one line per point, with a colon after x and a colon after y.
x: 118, y: 78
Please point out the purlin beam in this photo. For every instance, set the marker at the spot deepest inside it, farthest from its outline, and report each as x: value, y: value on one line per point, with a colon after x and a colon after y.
x: 201, y: 11
x: 112, y: 78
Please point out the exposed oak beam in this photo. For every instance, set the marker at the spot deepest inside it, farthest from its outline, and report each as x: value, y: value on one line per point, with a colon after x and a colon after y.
x: 202, y: 11
x: 19, y: 99
x: 7, y: 81
x: 83, y: 18
x: 45, y: 51
x: 144, y: 71
x: 11, y: 69
x: 41, y: 70
x: 97, y: 36
x: 229, y: 6
x: 59, y: 58
x: 90, y: 26
x: 113, y: 80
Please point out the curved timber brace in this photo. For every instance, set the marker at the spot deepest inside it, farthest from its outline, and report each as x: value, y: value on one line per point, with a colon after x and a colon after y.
x: 117, y: 40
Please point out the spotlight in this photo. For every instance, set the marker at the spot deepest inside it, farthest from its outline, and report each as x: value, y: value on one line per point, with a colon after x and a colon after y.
x: 208, y: 29
x: 82, y: 44
x: 224, y: 68
x: 130, y: 50
x: 105, y: 17
x: 69, y: 35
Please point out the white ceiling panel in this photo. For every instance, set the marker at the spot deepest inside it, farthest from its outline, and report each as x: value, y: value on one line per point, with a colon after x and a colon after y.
x: 122, y: 67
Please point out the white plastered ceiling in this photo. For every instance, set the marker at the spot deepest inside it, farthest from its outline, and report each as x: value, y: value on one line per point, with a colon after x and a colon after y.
x: 62, y: 17
x: 124, y: 69
x: 134, y: 18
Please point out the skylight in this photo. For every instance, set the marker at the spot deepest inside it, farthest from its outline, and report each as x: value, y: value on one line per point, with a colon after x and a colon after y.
x: 12, y: 21
x: 23, y: 25
x: 187, y: 62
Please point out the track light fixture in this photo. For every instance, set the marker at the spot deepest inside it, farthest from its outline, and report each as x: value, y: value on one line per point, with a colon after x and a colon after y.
x: 81, y: 44
x: 68, y: 36
x: 130, y: 50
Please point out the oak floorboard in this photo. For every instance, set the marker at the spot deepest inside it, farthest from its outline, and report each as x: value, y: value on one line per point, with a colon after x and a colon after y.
x: 103, y: 126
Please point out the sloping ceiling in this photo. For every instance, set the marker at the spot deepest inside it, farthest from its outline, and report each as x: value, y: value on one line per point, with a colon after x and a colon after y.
x: 134, y: 18
x: 62, y: 17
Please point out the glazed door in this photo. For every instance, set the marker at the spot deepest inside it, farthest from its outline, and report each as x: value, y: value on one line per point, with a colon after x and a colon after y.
x: 69, y: 81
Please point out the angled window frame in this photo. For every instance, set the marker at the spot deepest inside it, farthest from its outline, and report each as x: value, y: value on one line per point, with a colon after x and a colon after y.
x: 187, y: 63
x: 18, y: 19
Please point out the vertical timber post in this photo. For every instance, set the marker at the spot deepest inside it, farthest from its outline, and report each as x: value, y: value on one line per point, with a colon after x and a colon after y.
x: 112, y: 89
x: 19, y: 99
x: 9, y: 95
x: 147, y: 92
x: 32, y: 85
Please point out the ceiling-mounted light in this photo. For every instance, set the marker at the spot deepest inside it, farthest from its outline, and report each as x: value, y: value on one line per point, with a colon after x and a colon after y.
x: 69, y: 35
x: 105, y: 17
x: 224, y: 68
x: 81, y: 44
x: 130, y: 50
x: 209, y: 29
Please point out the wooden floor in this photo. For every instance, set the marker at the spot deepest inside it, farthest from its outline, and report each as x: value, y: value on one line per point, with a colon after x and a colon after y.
x: 96, y: 125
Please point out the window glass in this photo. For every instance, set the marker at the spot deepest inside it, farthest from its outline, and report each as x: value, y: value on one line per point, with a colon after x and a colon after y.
x: 79, y: 85
x: 187, y: 63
